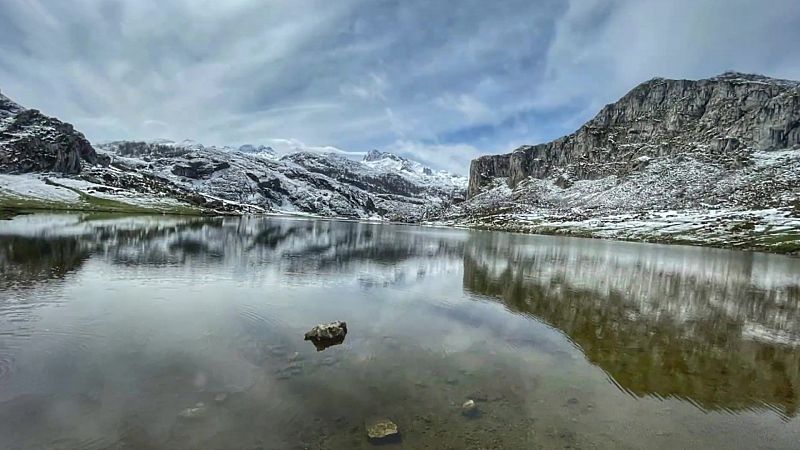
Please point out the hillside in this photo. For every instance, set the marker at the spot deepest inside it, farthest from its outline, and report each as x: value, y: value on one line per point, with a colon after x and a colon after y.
x: 46, y: 164
x: 713, y: 161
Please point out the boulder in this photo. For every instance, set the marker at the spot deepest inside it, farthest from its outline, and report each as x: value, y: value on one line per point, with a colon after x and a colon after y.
x: 327, y: 334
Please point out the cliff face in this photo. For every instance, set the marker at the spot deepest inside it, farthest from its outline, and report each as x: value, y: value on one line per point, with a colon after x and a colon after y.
x: 33, y: 142
x: 721, y: 120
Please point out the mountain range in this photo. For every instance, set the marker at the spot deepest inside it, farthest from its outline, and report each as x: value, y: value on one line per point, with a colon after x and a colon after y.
x: 45, y: 163
x: 713, y: 162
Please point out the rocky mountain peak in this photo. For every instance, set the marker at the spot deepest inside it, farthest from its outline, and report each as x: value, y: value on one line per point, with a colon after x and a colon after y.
x: 741, y: 77
x: 250, y: 148
x: 31, y: 141
x: 8, y: 107
x: 721, y: 120
x: 377, y: 155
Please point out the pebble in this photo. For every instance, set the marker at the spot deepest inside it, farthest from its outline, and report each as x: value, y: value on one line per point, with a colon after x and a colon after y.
x: 381, y: 429
x: 469, y: 408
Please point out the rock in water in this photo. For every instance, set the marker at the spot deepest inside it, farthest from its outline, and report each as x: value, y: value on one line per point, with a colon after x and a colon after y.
x: 197, y: 412
x: 327, y: 335
x: 381, y: 430
x: 469, y: 408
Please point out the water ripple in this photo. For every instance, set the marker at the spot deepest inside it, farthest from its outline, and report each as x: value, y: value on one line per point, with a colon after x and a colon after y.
x: 6, y: 366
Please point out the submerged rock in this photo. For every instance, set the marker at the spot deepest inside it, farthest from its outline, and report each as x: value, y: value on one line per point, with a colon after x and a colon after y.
x: 327, y: 335
x: 469, y: 408
x: 197, y: 412
x: 381, y: 429
x: 289, y: 370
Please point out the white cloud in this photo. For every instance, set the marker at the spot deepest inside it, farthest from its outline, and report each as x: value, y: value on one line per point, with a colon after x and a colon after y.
x: 470, y: 107
x: 358, y: 74
x: 453, y: 158
x: 372, y: 88
x: 286, y: 146
x: 603, y: 49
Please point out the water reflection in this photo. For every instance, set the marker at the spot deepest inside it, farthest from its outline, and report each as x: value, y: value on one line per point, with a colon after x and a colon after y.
x: 716, y: 328
x: 157, y: 314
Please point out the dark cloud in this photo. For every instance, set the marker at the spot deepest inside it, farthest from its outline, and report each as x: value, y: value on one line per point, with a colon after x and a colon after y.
x: 441, y: 81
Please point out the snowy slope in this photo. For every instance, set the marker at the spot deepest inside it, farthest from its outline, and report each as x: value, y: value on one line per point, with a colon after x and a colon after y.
x: 385, y: 162
x: 48, y: 164
x: 713, y: 161
x: 305, y: 183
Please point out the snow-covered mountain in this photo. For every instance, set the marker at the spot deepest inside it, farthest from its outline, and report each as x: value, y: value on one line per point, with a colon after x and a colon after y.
x: 303, y: 182
x: 390, y: 163
x: 258, y: 150
x: 713, y: 161
x: 46, y: 163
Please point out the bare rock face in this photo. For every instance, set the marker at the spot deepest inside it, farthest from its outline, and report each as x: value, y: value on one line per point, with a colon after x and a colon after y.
x: 33, y: 142
x: 486, y: 168
x: 199, y: 168
x: 721, y: 120
x: 327, y: 335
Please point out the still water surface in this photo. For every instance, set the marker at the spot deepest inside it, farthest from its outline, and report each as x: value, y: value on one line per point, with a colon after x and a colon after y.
x: 112, y: 327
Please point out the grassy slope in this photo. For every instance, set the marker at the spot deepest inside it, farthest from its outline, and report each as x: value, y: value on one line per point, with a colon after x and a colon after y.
x: 86, y: 202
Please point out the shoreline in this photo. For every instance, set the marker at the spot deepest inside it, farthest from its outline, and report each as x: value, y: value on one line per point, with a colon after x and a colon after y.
x: 790, y: 246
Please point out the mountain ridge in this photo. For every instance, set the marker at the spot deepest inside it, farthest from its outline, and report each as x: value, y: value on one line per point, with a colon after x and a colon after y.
x: 741, y: 108
x: 706, y: 162
x: 46, y: 163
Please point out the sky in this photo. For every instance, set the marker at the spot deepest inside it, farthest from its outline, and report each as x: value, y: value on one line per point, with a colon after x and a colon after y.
x: 439, y: 81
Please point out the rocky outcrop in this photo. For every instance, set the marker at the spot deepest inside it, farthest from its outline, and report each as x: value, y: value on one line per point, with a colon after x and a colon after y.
x: 485, y: 169
x: 33, y: 142
x: 327, y: 335
x: 197, y: 168
x: 721, y: 120
x: 260, y: 150
x: 353, y: 173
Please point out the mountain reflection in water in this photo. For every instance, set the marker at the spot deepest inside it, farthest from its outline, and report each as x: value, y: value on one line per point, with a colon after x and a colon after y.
x: 715, y: 329
x: 719, y: 330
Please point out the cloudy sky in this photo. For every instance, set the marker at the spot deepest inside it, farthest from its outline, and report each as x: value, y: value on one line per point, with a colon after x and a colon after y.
x: 441, y: 81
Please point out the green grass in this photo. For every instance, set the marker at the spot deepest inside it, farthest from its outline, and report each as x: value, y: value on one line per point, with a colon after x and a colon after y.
x: 86, y: 202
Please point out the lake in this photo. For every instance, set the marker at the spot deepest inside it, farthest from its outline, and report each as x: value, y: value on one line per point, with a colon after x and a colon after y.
x: 183, y: 333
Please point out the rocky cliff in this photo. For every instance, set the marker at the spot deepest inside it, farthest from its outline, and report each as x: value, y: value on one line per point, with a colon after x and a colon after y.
x: 33, y: 142
x: 712, y: 162
x: 720, y: 120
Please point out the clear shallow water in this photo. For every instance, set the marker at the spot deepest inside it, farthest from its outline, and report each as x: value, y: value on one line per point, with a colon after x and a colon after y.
x: 110, y: 327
